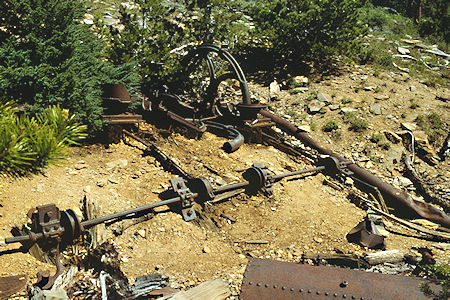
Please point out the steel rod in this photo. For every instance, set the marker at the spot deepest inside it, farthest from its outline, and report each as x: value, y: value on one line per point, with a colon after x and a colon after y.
x: 299, y: 172
x: 229, y: 187
x: 89, y: 223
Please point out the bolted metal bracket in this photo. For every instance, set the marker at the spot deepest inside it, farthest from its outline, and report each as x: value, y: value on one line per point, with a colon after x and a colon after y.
x: 333, y: 166
x: 187, y: 198
x: 259, y: 177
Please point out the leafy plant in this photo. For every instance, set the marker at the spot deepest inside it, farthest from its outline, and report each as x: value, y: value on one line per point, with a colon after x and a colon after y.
x: 356, y: 123
x: 438, y: 272
x: 306, y: 29
x: 29, y: 143
x: 330, y: 126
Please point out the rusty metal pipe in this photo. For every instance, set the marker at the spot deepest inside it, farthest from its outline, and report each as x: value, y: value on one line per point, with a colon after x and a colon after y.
x: 423, y: 209
x: 281, y: 176
x: 230, y: 187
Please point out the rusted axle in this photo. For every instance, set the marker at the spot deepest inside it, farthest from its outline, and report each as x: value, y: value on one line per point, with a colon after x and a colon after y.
x: 423, y: 209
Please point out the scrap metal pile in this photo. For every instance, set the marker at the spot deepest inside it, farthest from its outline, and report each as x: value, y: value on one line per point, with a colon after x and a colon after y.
x: 237, y: 119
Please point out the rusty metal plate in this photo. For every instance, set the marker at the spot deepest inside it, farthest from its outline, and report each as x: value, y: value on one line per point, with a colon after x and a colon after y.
x: 268, y: 279
x: 11, y: 285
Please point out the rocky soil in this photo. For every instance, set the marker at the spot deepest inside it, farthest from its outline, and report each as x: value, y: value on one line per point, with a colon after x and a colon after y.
x: 303, y: 216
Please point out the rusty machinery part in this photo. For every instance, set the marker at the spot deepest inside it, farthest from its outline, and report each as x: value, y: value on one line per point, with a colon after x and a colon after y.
x: 229, y: 132
x: 388, y: 191
x: 268, y: 279
x: 186, y: 197
x: 197, y: 126
x: 54, y: 227
x: 208, y: 106
x: 167, y: 163
x: 202, y: 187
x: 259, y: 176
x: 367, y: 235
x: 66, y: 230
x: 200, y: 53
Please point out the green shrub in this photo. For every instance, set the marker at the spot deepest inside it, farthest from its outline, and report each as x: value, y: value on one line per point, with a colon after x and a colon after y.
x: 154, y: 28
x: 356, y: 123
x: 48, y: 56
x: 330, y: 126
x: 438, y: 272
x: 376, y: 138
x: 29, y: 143
x: 307, y: 29
x: 433, y: 127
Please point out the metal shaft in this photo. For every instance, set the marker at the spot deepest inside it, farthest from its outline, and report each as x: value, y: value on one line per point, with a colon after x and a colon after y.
x: 230, y: 187
x: 89, y: 223
x: 299, y: 172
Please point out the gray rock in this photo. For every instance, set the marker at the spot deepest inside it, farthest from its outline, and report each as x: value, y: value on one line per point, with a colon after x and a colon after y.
x: 412, y: 88
x: 369, y: 88
x: 402, y: 181
x: 299, y: 81
x: 394, y: 155
x: 324, y: 98
x: 333, y: 107
x: 348, y: 110
x: 409, y: 126
x: 324, y: 110
x: 56, y: 294
x: 113, y: 179
x: 72, y: 172
x: 117, y: 163
x: 274, y: 90
x: 376, y: 109
x: 403, y: 50
x: 87, y: 189
x: 381, y: 97
x: 102, y: 182
x: 315, y: 105
x: 298, y: 90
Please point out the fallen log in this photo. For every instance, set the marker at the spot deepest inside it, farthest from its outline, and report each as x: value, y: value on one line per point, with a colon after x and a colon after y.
x: 381, y: 257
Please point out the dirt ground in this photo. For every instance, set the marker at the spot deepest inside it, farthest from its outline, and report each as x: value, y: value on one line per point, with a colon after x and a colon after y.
x: 302, y: 216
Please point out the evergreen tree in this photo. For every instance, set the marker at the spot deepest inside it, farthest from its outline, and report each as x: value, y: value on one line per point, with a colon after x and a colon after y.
x: 48, y: 56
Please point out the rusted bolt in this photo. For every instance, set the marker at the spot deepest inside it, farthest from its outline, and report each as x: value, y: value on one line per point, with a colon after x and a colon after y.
x: 301, y: 290
x: 283, y: 288
x: 274, y: 286
x: 291, y: 289
x: 258, y: 284
x: 250, y: 283
x: 344, y: 284
x: 318, y: 292
x: 309, y: 291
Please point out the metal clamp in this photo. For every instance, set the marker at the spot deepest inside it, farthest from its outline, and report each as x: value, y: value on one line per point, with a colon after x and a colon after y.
x: 187, y: 198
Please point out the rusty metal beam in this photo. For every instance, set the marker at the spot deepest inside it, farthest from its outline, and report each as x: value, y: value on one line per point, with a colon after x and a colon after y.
x: 423, y: 209
x: 268, y: 279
